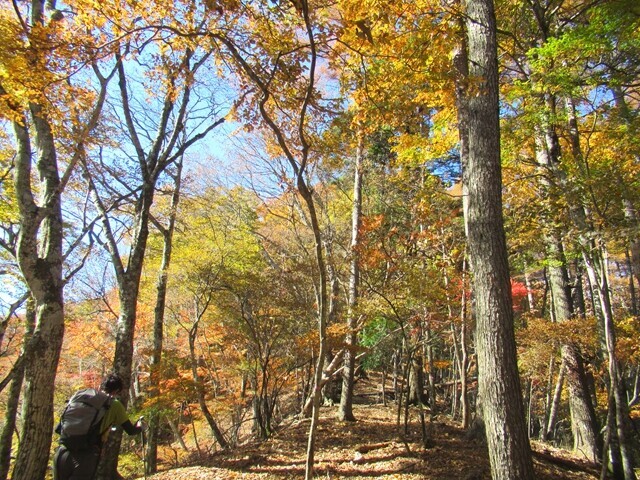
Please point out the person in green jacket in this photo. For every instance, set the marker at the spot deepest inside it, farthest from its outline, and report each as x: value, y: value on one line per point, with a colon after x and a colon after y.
x: 82, y: 464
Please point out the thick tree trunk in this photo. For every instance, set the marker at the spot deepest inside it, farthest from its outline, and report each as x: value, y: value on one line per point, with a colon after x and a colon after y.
x: 345, y: 412
x: 39, y: 256
x: 583, y: 417
x: 499, y: 382
x: 416, y: 395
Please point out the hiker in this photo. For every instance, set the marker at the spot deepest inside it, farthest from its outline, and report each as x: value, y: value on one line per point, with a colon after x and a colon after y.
x: 84, y: 427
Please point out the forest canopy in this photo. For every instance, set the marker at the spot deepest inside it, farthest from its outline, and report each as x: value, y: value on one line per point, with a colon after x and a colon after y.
x: 243, y: 207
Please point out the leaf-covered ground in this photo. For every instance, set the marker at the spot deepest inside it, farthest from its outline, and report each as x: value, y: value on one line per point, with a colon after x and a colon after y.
x: 371, y: 448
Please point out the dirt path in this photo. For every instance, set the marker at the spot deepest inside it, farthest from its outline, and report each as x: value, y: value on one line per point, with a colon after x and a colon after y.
x: 367, y: 449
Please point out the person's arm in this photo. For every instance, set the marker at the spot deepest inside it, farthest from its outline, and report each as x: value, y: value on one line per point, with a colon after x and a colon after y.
x: 117, y: 415
x: 130, y: 428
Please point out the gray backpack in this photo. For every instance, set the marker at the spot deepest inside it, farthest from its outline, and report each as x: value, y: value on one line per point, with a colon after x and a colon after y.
x: 79, y: 426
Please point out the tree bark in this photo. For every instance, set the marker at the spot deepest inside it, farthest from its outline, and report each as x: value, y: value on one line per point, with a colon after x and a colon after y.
x: 499, y: 382
x: 550, y: 424
x: 416, y: 395
x: 583, y: 418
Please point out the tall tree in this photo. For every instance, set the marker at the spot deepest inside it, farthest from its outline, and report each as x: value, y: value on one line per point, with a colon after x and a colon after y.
x: 150, y: 153
x: 167, y: 232
x: 288, y: 37
x: 498, y: 378
x: 583, y: 418
x: 39, y: 95
x: 346, y: 394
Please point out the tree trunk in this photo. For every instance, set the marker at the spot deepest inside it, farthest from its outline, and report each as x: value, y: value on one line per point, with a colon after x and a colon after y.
x: 164, y: 150
x: 331, y: 390
x: 577, y: 280
x: 345, y: 412
x: 583, y: 419
x: 6, y: 437
x: 431, y: 378
x: 550, y: 425
x: 596, y: 269
x: 630, y: 210
x: 39, y: 256
x: 633, y: 310
x: 122, y: 365
x: 461, y: 68
x: 499, y: 382
x: 416, y: 395
x: 464, y: 355
x: 176, y: 434
x: 530, y: 300
x: 215, y: 430
x: 322, y: 325
x: 153, y: 432
x: 548, y: 397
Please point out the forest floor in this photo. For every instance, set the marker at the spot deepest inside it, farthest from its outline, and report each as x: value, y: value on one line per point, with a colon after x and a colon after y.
x: 372, y: 448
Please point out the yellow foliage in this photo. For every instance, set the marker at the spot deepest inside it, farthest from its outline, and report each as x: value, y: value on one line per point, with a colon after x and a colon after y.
x: 578, y: 332
x: 542, y: 339
x: 628, y: 333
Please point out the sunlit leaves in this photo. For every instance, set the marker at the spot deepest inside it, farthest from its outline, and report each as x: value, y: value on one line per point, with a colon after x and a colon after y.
x: 541, y: 339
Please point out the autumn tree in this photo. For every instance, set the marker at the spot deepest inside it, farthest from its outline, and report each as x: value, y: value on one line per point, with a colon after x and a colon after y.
x: 285, y: 97
x: 167, y: 232
x: 150, y: 143
x: 53, y: 118
x: 499, y: 384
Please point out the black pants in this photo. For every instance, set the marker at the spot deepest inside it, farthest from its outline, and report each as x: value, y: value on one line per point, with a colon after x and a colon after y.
x: 75, y: 465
